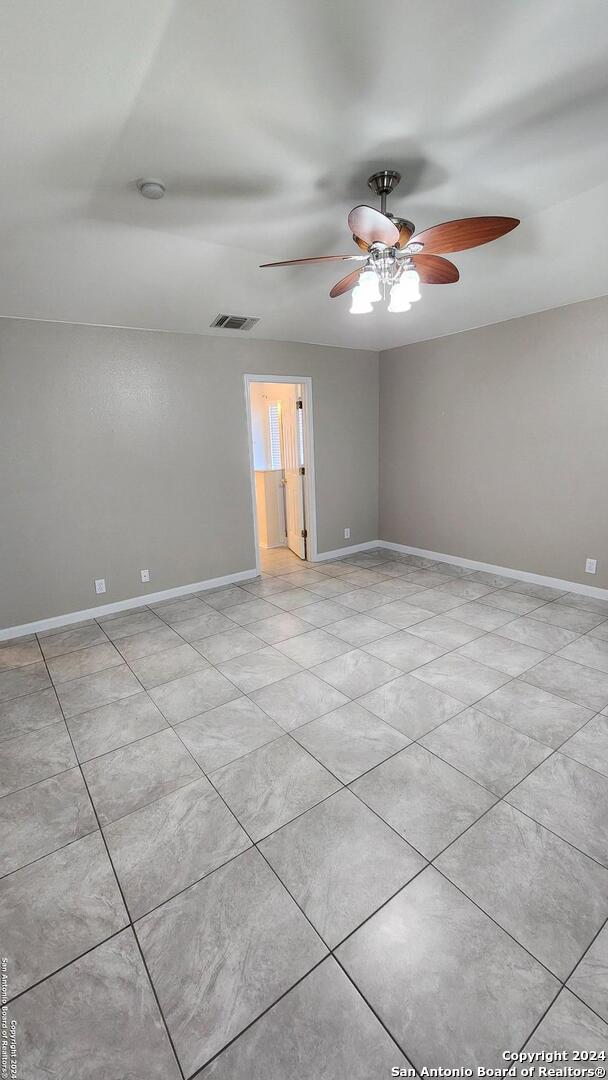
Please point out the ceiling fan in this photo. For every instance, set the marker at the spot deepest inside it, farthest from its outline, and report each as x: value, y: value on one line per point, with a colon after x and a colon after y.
x: 397, y: 257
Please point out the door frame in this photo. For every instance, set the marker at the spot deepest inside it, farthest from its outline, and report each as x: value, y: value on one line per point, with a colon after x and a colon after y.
x: 310, y: 509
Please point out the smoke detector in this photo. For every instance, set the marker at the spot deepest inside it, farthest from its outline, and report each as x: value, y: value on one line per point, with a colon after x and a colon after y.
x: 151, y: 189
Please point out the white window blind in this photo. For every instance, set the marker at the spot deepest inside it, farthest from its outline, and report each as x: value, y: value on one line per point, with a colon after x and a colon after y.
x: 274, y: 428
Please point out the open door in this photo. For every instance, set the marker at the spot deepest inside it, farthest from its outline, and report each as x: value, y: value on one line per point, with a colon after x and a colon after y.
x: 293, y: 472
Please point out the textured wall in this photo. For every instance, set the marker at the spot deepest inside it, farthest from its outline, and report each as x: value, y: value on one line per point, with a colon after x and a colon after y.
x: 124, y: 449
x: 494, y: 443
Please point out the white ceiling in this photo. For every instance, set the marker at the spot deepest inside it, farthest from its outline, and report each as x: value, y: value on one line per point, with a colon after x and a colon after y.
x: 264, y: 119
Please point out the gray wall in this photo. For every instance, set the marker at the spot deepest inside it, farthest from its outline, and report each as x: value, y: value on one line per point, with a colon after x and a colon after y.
x: 124, y: 449
x: 494, y: 443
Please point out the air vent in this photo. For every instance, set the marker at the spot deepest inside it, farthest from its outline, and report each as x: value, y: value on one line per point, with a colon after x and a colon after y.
x: 233, y: 322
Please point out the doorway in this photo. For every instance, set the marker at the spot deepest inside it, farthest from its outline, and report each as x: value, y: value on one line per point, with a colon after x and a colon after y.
x: 279, y: 414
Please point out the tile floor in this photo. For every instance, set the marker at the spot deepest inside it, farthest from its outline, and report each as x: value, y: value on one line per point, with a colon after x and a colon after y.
x: 346, y: 817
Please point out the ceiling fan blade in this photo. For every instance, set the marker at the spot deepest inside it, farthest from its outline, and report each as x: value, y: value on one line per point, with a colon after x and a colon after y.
x: 346, y: 283
x: 463, y: 233
x: 317, y: 259
x: 371, y: 226
x: 404, y: 234
x: 433, y: 270
x: 361, y: 243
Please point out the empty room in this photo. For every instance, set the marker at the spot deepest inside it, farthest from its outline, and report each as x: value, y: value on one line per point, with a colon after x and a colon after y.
x: 303, y: 539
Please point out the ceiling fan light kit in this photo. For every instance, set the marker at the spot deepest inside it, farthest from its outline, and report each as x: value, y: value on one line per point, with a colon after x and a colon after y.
x: 396, y: 258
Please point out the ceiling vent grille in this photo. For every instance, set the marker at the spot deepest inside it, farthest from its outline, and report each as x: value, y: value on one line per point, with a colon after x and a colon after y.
x: 233, y: 322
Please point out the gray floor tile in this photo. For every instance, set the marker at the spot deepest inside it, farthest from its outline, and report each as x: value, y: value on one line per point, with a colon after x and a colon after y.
x: 202, y: 626
x: 228, y: 644
x: 322, y: 1029
x: 570, y: 1024
x: 125, y: 779
x: 537, y: 634
x: 260, y: 588
x: 182, y: 609
x: 394, y: 588
x: 530, y: 588
x: 426, y: 801
x: 549, y: 896
x: 302, y: 578
x: 557, y: 614
x: 74, y: 665
x: 408, y: 961
x: 401, y: 613
x: 404, y: 651
x: 491, y: 753
x: 29, y: 713
x: 147, y: 643
x: 340, y: 863
x: 497, y: 581
x: 569, y: 799
x: 461, y: 678
x: 193, y: 694
x: 114, y: 725
x: 363, y: 578
x: 64, y: 1023
x: 166, y: 846
x: 350, y: 740
x: 278, y: 628
x: 364, y: 600
x: 54, y: 631
x: 222, y: 952
x: 600, y: 631
x: 19, y: 654
x: 465, y: 588
x: 253, y: 610
x: 297, y: 699
x: 356, y: 673
x: 501, y: 654
x: 585, y: 603
x: 583, y: 685
x: 358, y: 629
x: 91, y: 691
x: 26, y: 759
x: 437, y: 601
x: 42, y: 818
x: 18, y: 682
x: 590, y: 745
x: 121, y: 626
x: 323, y: 612
x: 516, y: 602
x: 446, y: 631
x: 272, y: 785
x: 230, y: 595
x: 329, y: 587
x: 257, y: 669
x: 590, y: 980
x: 590, y: 651
x: 163, y: 667
x: 411, y: 706
x: 482, y: 616
x: 56, y: 909
x: 221, y: 735
x: 535, y: 712
x: 312, y: 647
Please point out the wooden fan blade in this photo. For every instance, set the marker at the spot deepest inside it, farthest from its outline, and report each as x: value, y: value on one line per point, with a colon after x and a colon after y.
x: 372, y: 226
x: 463, y: 233
x: 433, y: 270
x: 346, y: 283
x: 361, y: 243
x: 317, y: 259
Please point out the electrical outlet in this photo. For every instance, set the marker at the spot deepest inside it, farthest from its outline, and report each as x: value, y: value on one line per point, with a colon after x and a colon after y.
x: 145, y: 575
x: 100, y: 585
x: 347, y: 534
x: 591, y: 566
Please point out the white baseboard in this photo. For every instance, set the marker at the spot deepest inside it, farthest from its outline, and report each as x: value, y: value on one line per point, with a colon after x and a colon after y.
x: 352, y: 549
x: 504, y: 571
x: 123, y: 605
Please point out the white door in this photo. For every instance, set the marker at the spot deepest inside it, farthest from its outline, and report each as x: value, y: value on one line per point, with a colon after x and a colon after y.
x: 293, y: 462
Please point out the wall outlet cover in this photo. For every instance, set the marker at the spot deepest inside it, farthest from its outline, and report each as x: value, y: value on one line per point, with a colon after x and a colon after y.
x: 347, y: 534
x: 145, y: 575
x: 591, y: 566
x: 100, y: 585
